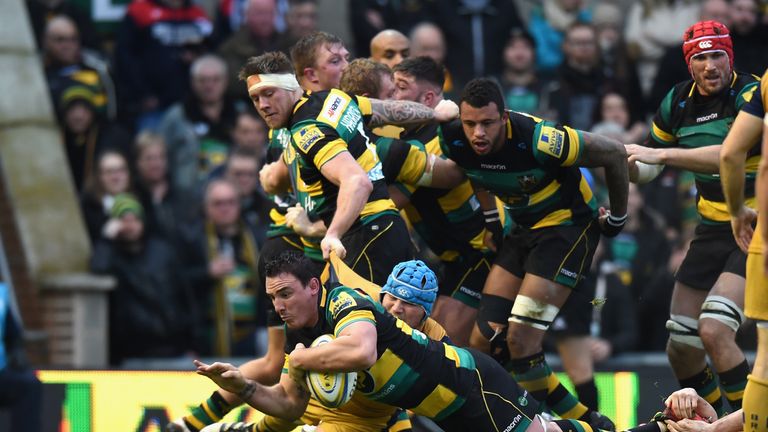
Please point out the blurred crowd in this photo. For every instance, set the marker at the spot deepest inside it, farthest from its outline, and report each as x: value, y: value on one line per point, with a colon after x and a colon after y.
x: 165, y: 147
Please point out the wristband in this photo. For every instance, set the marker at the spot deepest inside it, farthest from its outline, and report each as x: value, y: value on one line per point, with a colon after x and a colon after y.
x: 491, y: 215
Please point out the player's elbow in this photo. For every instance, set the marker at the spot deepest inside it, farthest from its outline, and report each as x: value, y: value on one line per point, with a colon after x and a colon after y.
x: 362, y: 183
x: 365, y: 356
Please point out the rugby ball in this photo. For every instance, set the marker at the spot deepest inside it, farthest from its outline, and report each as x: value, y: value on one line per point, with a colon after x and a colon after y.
x: 331, y: 389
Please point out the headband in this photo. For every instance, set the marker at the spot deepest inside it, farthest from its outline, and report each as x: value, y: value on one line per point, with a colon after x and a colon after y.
x: 285, y: 81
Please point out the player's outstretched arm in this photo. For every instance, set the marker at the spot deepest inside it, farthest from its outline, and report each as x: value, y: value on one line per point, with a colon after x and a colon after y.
x: 287, y: 399
x: 704, y: 160
x: 354, y: 349
x: 406, y: 113
x: 601, y: 151
x: 744, y: 134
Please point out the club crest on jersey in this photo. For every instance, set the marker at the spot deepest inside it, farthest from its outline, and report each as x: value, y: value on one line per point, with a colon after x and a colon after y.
x: 551, y: 141
x: 340, y: 302
x: 307, y: 137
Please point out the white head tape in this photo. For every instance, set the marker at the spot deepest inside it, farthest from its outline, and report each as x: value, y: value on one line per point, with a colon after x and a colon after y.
x: 285, y: 81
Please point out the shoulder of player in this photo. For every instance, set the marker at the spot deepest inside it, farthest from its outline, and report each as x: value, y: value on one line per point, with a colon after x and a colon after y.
x: 323, y: 107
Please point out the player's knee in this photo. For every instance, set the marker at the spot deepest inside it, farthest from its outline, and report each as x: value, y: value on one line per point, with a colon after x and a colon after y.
x: 491, y: 318
x: 720, y: 318
x: 684, y: 337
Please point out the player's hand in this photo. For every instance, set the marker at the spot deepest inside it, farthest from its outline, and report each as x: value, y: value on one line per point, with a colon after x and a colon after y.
x: 446, y: 110
x: 634, y: 171
x: 687, y: 404
x: 332, y: 243
x: 688, y: 425
x: 494, y: 231
x: 741, y: 225
x: 610, y: 225
x: 225, y: 375
x: 296, y: 219
x: 640, y: 153
x: 267, y: 178
x: 296, y: 373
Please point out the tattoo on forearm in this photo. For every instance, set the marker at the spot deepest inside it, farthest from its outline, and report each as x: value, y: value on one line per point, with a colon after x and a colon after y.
x: 246, y: 393
x: 402, y: 113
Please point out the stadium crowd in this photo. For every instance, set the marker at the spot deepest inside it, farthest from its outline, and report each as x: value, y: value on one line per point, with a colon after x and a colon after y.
x: 194, y: 174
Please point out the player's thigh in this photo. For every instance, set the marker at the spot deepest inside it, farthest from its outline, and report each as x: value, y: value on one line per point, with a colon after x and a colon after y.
x: 464, y: 278
x: 712, y: 252
x: 374, y: 249
x: 686, y: 301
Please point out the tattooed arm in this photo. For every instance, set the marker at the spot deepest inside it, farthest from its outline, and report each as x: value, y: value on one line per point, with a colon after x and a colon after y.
x: 601, y: 151
x: 405, y: 113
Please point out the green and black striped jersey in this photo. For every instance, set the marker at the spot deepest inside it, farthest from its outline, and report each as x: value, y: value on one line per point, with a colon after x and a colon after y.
x: 686, y: 119
x: 533, y: 173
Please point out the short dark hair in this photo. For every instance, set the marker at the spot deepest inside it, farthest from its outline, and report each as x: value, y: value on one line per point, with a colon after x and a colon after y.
x: 267, y: 63
x: 482, y: 91
x: 362, y: 77
x: 304, y: 51
x: 423, y: 68
x: 291, y: 262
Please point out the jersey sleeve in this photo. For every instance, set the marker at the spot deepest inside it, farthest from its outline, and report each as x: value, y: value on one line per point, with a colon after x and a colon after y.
x: 403, y: 161
x: 346, y: 306
x: 435, y: 331
x: 556, y: 145
x: 451, y: 135
x: 317, y: 143
x: 661, y: 134
x: 747, y: 93
x: 366, y: 109
x: 755, y: 105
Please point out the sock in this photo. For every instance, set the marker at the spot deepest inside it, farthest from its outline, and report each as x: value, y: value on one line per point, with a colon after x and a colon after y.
x: 733, y: 382
x: 574, y: 426
x: 705, y: 384
x: 587, y: 392
x: 534, y: 374
x: 208, y: 412
x: 755, y: 408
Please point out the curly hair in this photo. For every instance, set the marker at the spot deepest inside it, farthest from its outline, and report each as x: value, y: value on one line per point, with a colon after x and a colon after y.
x: 482, y: 91
x: 358, y: 78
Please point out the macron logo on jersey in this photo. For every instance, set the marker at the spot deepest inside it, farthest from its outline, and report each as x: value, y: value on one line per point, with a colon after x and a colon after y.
x: 707, y: 117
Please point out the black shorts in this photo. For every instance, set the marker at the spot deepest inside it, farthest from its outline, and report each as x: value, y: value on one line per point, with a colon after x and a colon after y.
x: 561, y: 254
x: 464, y: 278
x: 497, y: 403
x: 713, y: 251
x: 374, y: 249
x: 575, y: 317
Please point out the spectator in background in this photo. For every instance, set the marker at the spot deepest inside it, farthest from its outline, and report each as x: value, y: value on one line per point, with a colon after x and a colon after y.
x: 43, y: 11
x: 198, y: 131
x: 220, y: 257
x: 548, y: 24
x: 156, y: 43
x: 671, y: 68
x: 67, y: 63
x: 86, y: 133
x: 255, y: 36
x: 522, y: 87
x: 612, y: 118
x: 242, y: 169
x: 251, y: 133
x: 427, y: 40
x: 617, y: 64
x: 164, y: 206
x: 472, y: 29
x: 580, y: 79
x: 20, y: 390
x: 653, y: 26
x: 112, y: 177
x: 749, y: 36
x: 390, y: 47
x: 152, y: 312
x: 301, y: 20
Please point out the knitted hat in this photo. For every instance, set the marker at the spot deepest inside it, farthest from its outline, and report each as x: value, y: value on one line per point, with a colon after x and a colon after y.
x: 77, y: 93
x: 126, y: 203
x: 413, y: 282
x: 704, y: 37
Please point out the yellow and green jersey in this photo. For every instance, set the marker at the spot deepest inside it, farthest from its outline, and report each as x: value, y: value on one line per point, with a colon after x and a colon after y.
x: 686, y: 119
x: 534, y: 172
x: 322, y: 126
x: 279, y: 140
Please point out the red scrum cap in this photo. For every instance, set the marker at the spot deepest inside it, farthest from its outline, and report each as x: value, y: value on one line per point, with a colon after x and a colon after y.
x: 704, y: 37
